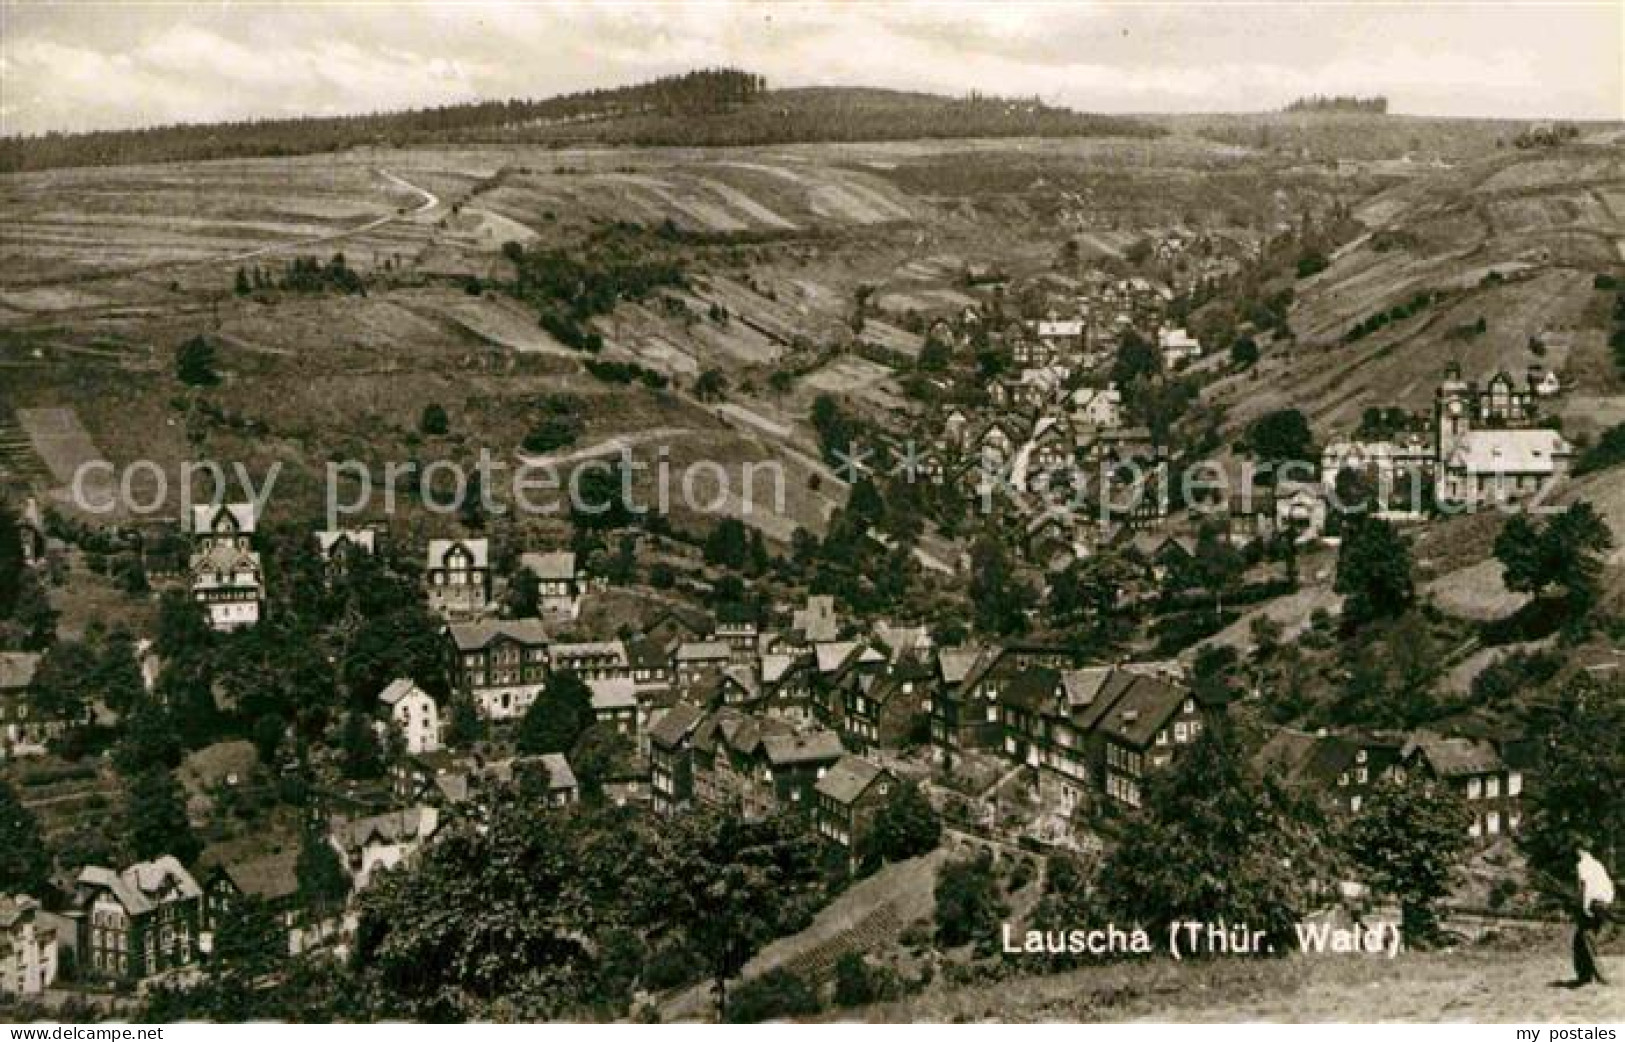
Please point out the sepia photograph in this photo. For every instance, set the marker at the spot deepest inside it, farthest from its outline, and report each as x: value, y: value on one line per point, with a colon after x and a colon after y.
x: 830, y: 512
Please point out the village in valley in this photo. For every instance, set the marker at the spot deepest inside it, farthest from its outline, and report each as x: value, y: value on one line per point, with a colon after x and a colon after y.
x: 1122, y: 544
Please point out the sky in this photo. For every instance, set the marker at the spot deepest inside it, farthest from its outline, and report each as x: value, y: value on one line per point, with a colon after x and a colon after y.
x: 92, y: 65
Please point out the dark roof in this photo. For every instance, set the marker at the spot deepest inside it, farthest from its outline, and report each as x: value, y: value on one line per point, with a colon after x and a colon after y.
x: 675, y: 725
x: 785, y: 750
x: 644, y: 652
x: 271, y: 877
x: 1032, y: 689
x: 1142, y: 711
x: 1455, y: 757
x: 472, y: 636
x: 849, y: 779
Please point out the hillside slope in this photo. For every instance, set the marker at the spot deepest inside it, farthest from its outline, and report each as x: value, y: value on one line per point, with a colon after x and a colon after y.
x: 1479, y: 985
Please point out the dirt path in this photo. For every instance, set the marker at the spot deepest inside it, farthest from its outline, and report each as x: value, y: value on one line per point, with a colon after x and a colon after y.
x: 430, y: 201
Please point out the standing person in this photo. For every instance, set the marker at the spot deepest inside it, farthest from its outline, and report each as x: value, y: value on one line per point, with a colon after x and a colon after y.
x: 1596, y: 896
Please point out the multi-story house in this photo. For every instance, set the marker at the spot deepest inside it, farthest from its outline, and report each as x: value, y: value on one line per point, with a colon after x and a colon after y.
x: 671, y: 757
x: 28, y: 947
x: 1143, y: 731
x: 888, y: 707
x: 413, y: 712
x: 1492, y: 790
x: 850, y: 795
x: 1341, y: 766
x: 501, y: 664
x: 791, y: 766
x: 272, y: 878
x: 225, y: 571
x: 615, y: 705
x: 137, y: 923
x: 457, y: 577
x: 738, y: 629
x: 382, y: 841
x: 559, y: 584
x: 592, y: 660
x: 787, y: 686
x: 698, y: 663
x: 339, y: 547
x: 24, y: 729
x: 445, y: 779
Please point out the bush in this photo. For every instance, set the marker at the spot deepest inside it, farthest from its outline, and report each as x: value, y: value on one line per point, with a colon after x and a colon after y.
x: 434, y: 421
x: 772, y: 996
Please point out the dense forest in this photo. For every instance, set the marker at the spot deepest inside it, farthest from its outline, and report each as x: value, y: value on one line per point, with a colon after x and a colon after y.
x: 705, y: 107
x: 1375, y: 105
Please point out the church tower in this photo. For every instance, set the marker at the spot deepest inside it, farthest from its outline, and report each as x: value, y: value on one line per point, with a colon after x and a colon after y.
x: 1452, y: 412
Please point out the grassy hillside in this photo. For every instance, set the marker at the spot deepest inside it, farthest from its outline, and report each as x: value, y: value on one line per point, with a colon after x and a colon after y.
x: 1491, y: 984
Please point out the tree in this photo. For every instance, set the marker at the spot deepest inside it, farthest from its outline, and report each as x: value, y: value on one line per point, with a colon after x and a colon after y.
x: 11, y: 559
x: 194, y: 363
x: 323, y: 884
x: 1563, y: 554
x: 249, y: 942
x: 728, y: 544
x: 1577, y: 805
x: 1215, y: 841
x: 465, y: 726
x: 1280, y: 437
x: 1408, y: 839
x: 1137, y: 359
x: 156, y: 822
x: 999, y: 598
x: 710, y: 385
x: 183, y: 627
x: 775, y: 995
x: 906, y: 826
x: 25, y: 862
x: 734, y: 884
x: 1373, y: 571
x: 601, y: 754
x: 555, y: 721
x: 1244, y: 352
x: 434, y: 421
x: 969, y: 906
x: 361, y: 753
x: 242, y: 287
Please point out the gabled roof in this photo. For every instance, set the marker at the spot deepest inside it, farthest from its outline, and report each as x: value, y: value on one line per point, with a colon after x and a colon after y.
x: 644, y: 652
x: 832, y: 655
x: 206, y: 516
x: 271, y: 877
x: 785, y: 750
x: 554, y: 566
x: 327, y: 538
x: 1145, y: 707
x: 1081, y: 687
x: 398, y: 689
x: 702, y: 651
x: 472, y: 636
x: 954, y: 664
x: 590, y: 649
x: 613, y: 694
x: 1454, y: 757
x: 222, y: 559
x: 676, y: 725
x: 849, y: 779
x: 745, y: 678
x: 479, y: 551
x: 144, y: 885
x: 411, y: 824
x: 17, y: 669
x: 1032, y: 689
x: 776, y: 666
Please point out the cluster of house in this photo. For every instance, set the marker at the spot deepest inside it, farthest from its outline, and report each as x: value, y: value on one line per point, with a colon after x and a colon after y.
x: 1484, y: 443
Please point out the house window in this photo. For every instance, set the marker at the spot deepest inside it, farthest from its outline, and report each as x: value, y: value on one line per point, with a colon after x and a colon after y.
x: 1514, y: 783
x: 1492, y: 823
x: 1190, y: 705
x: 1492, y: 788
x: 1354, y: 803
x: 1475, y: 788
x: 1162, y: 736
x: 1182, y: 733
x: 992, y: 714
x: 1361, y: 775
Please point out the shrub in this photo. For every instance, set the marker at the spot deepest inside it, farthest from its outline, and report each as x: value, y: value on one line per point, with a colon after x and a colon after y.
x: 434, y: 421
x: 774, y: 995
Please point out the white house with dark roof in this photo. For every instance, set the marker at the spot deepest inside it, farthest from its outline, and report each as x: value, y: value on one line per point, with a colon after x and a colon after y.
x: 226, y: 575
x: 28, y: 947
x: 457, y: 577
x: 558, y: 581
x: 414, y: 713
x: 382, y: 841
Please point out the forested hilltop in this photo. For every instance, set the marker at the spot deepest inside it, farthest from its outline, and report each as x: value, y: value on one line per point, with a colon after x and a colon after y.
x: 704, y: 107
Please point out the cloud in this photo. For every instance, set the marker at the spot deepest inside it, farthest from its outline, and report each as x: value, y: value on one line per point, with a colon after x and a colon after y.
x: 75, y: 67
